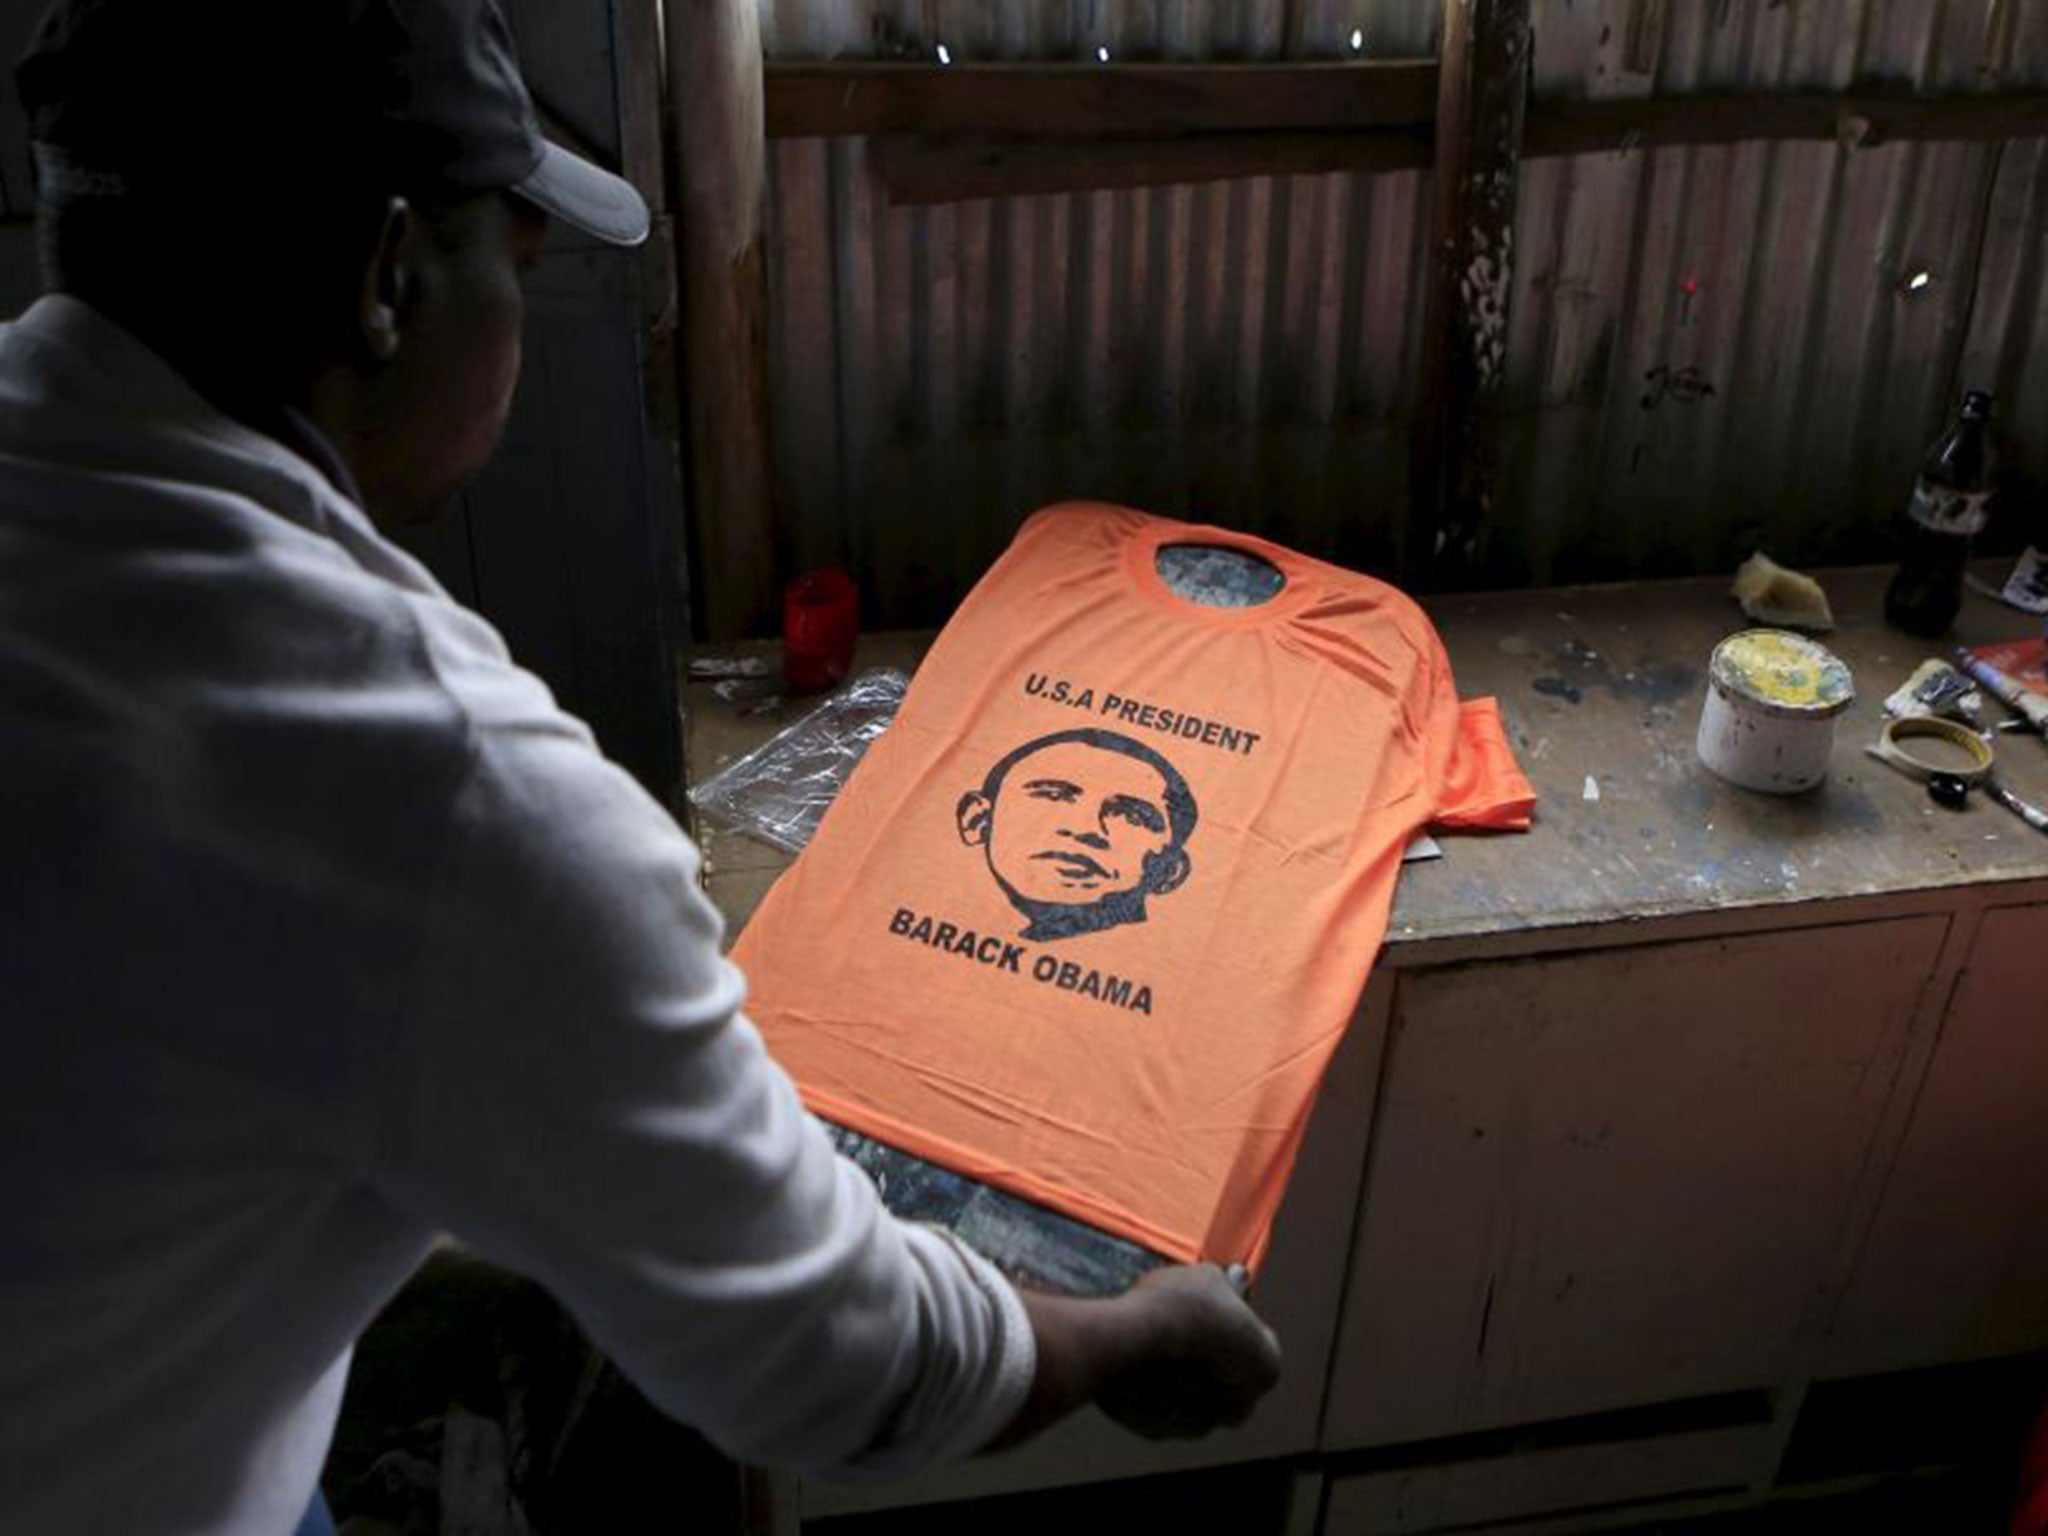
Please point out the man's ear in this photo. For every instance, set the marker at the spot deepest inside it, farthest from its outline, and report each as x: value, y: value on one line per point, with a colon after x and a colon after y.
x: 389, y: 284
x: 973, y: 816
x: 1166, y: 870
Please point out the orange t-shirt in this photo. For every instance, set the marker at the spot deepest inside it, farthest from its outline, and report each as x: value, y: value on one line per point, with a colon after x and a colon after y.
x: 1088, y: 920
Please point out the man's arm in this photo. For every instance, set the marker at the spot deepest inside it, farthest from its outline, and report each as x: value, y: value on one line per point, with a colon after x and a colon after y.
x: 578, y: 1096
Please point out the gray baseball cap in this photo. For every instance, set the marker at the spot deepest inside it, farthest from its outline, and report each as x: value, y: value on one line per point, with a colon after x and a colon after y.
x: 182, y: 99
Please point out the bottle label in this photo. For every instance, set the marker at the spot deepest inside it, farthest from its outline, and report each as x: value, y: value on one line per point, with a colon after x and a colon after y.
x: 1941, y: 510
x: 2027, y: 586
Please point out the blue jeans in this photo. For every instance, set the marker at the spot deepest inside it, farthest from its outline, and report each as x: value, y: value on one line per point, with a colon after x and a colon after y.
x: 316, y: 1521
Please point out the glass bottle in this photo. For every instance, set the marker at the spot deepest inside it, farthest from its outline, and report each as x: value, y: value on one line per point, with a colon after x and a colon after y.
x: 1946, y: 512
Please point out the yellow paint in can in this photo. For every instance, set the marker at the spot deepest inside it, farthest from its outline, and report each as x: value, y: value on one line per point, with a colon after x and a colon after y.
x: 1786, y: 670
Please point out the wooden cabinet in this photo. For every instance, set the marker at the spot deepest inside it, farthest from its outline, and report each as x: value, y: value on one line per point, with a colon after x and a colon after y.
x: 1623, y: 1206
x: 1616, y: 1178
x: 1687, y: 1099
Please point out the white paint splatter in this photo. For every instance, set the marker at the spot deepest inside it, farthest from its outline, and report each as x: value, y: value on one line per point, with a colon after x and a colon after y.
x: 1483, y: 287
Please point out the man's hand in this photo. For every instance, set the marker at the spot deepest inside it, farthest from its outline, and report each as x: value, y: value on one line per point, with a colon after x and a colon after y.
x: 1208, y: 1361
x: 1176, y: 1356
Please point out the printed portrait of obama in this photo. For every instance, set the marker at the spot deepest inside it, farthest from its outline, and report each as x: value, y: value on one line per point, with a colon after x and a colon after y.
x: 1079, y: 829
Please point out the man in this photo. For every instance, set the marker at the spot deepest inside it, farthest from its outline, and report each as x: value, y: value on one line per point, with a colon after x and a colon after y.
x: 324, y: 930
x: 1092, y: 823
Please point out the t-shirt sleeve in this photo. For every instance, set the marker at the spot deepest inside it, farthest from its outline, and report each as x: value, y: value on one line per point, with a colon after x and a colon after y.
x: 579, y: 1096
x: 1474, y: 778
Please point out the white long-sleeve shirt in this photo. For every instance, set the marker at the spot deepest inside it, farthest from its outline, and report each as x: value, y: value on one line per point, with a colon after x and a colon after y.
x: 322, y: 931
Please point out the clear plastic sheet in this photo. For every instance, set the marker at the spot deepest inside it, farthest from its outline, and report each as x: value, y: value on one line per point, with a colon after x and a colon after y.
x: 781, y: 790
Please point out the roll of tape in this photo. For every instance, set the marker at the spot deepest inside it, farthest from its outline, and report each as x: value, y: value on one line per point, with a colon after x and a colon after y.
x: 1895, y: 747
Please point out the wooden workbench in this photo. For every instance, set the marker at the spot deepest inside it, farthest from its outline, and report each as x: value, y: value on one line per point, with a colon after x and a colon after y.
x: 1690, y: 1095
x: 1602, y: 685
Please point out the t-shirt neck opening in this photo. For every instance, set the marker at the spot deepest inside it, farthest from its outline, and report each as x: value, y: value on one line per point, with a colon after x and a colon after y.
x: 1141, y: 559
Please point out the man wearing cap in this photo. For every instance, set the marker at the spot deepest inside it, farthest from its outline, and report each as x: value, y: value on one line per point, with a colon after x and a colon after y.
x: 323, y: 929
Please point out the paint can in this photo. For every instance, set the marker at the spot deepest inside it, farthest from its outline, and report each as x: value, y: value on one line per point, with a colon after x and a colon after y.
x: 1769, y: 718
x: 820, y: 626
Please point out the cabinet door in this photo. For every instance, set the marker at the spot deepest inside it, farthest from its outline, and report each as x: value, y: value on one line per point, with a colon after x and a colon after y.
x: 1613, y: 1178
x: 1956, y: 1263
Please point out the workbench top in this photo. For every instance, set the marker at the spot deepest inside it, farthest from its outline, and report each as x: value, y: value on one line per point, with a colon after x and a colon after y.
x: 1601, y: 689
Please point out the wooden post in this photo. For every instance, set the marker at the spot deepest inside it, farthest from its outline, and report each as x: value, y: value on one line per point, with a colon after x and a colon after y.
x: 1482, y: 96
x: 644, y: 137
x: 721, y: 159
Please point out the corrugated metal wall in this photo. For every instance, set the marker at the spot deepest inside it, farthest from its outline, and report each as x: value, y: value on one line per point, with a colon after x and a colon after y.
x: 1726, y: 345
x: 1710, y: 348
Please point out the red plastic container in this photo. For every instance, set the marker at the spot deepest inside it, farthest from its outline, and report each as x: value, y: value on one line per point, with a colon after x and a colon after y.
x: 820, y: 622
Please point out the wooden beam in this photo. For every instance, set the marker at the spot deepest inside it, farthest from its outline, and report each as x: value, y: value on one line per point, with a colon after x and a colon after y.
x: 923, y: 170
x: 637, y: 29
x: 1482, y: 96
x: 1058, y: 102
x: 721, y: 153
x: 917, y: 170
x: 1086, y: 101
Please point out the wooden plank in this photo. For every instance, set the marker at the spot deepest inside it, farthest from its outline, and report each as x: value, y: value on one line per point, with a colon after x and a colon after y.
x: 1482, y: 95
x: 925, y: 167
x: 1581, y: 1488
x: 1706, y: 921
x: 637, y: 26
x: 1086, y: 101
x: 715, y: 62
x: 928, y: 171
x: 1070, y: 101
